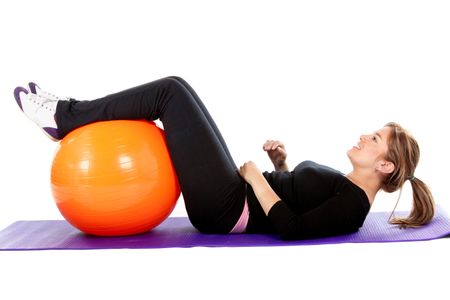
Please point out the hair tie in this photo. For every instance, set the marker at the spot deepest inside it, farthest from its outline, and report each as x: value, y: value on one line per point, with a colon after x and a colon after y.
x: 411, y: 178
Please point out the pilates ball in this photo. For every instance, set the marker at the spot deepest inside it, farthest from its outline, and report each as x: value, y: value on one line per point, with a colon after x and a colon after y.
x: 114, y: 178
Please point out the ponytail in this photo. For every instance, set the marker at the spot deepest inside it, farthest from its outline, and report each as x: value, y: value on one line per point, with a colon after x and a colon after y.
x: 423, y: 206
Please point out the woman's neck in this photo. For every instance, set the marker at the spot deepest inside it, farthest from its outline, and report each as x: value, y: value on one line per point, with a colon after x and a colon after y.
x: 367, y: 182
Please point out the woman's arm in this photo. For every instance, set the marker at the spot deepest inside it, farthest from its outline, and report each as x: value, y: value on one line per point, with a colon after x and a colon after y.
x: 263, y: 192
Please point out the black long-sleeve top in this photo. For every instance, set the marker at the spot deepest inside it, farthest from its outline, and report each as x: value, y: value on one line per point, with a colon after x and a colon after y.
x: 316, y: 201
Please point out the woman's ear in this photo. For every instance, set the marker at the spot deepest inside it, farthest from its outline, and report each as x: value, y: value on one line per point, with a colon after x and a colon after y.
x: 385, y: 167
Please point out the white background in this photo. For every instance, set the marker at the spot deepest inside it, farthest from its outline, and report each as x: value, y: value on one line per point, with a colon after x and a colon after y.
x: 314, y: 74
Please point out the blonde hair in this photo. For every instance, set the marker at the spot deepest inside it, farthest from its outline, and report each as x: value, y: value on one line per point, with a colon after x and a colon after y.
x: 404, y: 153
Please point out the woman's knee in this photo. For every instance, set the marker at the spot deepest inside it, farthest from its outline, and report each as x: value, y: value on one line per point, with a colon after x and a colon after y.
x: 183, y: 83
x: 175, y: 81
x: 173, y: 85
x: 178, y: 78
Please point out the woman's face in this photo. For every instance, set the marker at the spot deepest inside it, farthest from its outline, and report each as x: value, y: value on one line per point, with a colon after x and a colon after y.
x: 371, y: 149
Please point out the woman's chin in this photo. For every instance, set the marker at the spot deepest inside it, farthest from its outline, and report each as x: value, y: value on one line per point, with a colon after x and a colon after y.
x: 351, y: 155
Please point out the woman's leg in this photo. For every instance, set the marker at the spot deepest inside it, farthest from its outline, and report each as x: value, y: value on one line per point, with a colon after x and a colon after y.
x: 214, y: 192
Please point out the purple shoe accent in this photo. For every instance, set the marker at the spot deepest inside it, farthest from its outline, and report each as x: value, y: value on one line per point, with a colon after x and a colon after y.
x: 17, y: 91
x: 52, y: 132
x: 33, y: 86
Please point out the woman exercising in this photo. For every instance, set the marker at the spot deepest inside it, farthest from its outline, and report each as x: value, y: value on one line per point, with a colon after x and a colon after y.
x: 310, y: 201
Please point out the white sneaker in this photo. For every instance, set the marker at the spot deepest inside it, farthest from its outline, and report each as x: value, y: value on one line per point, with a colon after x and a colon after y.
x: 35, y: 89
x: 39, y: 109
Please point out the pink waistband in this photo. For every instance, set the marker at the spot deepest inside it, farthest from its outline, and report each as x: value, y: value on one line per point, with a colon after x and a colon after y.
x: 241, y: 224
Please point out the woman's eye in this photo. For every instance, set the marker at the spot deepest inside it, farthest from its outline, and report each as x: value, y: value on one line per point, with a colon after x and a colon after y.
x: 374, y: 138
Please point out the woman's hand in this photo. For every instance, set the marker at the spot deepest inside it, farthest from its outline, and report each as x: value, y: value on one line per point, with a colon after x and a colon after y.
x: 250, y: 172
x: 277, y: 154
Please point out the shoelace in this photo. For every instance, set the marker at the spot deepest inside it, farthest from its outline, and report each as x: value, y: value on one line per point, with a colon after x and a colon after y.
x: 50, y: 95
x: 43, y: 102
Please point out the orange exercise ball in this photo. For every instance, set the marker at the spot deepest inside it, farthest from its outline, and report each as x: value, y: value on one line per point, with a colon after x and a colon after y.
x: 114, y: 178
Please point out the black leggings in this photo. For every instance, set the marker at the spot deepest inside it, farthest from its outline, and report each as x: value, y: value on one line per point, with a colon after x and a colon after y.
x: 213, y: 191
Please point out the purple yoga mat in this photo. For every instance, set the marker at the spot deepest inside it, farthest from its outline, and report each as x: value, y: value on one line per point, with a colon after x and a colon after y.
x: 178, y: 232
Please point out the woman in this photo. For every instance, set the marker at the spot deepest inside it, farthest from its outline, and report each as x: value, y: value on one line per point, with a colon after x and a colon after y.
x: 311, y: 201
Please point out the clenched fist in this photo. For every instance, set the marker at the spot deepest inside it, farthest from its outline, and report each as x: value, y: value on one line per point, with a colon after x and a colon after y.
x: 277, y: 154
x: 249, y: 171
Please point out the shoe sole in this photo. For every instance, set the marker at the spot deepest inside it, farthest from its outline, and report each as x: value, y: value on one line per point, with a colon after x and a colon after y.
x: 49, y: 132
